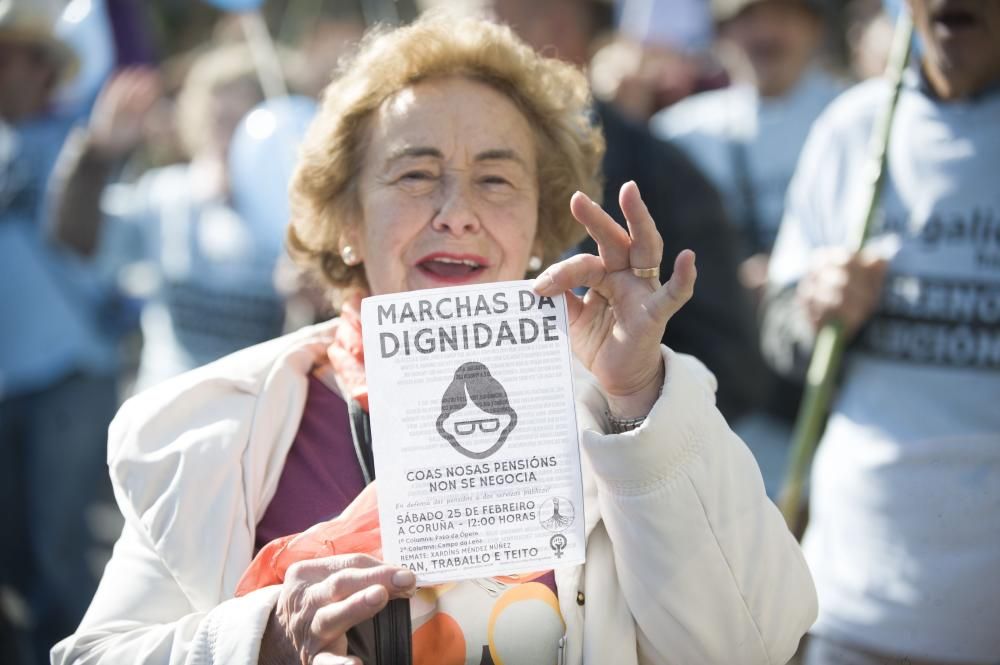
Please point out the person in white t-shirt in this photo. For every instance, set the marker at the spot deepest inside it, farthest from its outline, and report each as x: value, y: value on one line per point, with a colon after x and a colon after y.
x: 904, y: 537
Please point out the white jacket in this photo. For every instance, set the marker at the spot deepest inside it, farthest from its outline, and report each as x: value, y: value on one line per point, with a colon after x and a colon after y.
x: 687, y: 560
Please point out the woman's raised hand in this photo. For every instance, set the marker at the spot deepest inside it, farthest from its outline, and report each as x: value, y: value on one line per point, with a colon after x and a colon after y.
x: 321, y: 599
x: 119, y: 114
x: 617, y: 326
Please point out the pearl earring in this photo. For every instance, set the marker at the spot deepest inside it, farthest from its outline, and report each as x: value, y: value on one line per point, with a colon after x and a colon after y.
x: 350, y: 256
x: 535, y: 264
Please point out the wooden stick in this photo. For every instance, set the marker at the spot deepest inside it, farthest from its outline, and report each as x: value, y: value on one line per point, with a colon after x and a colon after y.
x: 824, y: 366
x: 264, y: 54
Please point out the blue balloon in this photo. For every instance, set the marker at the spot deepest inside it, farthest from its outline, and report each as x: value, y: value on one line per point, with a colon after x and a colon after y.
x: 262, y: 157
x: 85, y: 26
x: 236, y: 5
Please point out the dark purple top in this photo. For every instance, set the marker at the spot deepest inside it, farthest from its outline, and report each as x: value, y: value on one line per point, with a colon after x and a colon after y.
x: 321, y: 475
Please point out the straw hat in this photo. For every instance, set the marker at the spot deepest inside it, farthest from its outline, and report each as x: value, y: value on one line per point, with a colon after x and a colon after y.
x: 33, y: 22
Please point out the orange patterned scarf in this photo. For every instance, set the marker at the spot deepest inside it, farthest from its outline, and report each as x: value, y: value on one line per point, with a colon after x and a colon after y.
x: 347, y: 353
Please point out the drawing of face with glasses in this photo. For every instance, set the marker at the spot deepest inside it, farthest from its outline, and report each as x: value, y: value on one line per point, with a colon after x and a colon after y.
x: 476, y: 416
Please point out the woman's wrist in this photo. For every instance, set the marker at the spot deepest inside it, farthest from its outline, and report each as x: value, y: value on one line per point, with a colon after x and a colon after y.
x: 639, y: 403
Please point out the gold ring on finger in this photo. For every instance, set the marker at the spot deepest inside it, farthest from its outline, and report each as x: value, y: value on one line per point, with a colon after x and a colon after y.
x: 647, y: 273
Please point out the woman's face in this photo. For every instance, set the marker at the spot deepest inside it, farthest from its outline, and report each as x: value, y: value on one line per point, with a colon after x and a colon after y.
x: 448, y: 189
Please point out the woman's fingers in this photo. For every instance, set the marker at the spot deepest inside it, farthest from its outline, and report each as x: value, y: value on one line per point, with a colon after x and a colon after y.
x: 612, y: 240
x: 646, y: 248
x: 640, y: 247
x: 313, y: 571
x: 678, y: 290
x: 399, y: 582
x: 578, y: 270
x: 130, y: 84
x: 146, y: 90
x: 588, y: 270
x: 333, y: 620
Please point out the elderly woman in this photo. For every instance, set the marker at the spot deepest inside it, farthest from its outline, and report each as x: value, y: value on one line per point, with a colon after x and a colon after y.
x: 448, y: 153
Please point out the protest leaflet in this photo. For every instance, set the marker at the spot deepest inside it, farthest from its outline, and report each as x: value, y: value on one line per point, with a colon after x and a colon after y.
x: 474, y: 431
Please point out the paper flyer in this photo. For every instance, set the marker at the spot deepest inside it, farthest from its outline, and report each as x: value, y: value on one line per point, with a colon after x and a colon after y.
x: 474, y: 431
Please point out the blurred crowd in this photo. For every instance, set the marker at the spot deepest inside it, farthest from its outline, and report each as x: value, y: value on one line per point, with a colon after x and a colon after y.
x: 145, y: 151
